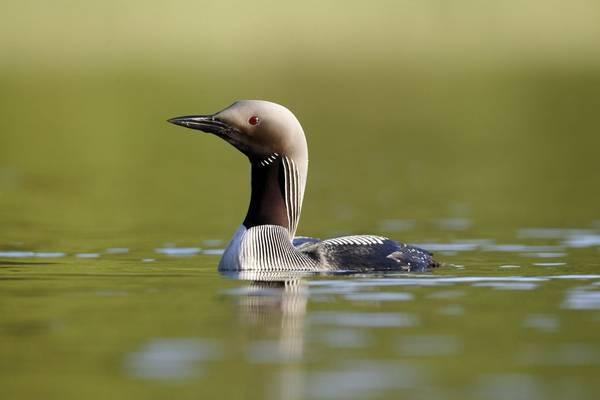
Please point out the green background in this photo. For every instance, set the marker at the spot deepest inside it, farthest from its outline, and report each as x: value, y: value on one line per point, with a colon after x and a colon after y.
x: 408, y: 107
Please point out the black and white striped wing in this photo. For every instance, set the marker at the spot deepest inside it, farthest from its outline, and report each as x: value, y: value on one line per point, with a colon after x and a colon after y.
x: 367, y: 253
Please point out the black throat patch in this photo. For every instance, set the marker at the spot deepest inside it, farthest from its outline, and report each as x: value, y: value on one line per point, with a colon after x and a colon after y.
x: 267, y: 201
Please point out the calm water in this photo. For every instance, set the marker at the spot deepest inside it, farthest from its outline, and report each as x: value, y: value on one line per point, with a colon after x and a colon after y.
x: 509, y: 320
x: 112, y: 223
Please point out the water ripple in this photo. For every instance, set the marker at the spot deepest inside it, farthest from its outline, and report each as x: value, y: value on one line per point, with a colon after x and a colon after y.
x: 507, y: 285
x: 582, y: 298
x: 359, y: 380
x: 28, y: 254
x: 87, y: 255
x: 178, y: 251
x: 379, y: 296
x: 372, y: 320
x: 167, y: 359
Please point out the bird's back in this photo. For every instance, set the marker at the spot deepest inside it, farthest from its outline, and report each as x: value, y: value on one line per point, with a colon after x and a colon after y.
x: 365, y: 253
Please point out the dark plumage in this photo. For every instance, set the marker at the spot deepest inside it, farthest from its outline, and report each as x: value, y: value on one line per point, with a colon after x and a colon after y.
x: 388, y: 255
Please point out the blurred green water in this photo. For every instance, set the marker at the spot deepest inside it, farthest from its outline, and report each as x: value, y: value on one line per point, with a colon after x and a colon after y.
x: 95, y: 151
x: 414, y: 114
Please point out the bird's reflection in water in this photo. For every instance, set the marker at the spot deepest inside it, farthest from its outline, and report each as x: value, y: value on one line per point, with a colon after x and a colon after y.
x: 275, y: 304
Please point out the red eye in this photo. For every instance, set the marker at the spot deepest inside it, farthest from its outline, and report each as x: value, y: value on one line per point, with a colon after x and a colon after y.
x: 254, y: 120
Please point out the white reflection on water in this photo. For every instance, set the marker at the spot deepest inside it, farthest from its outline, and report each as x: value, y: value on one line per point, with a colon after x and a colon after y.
x: 276, y: 303
x: 167, y: 359
x: 497, y: 282
x: 550, y: 233
x: 582, y: 298
x: 87, y: 255
x: 576, y: 238
x: 178, y: 251
x: 380, y: 296
x: 448, y: 246
x: 543, y: 254
x: 508, y: 285
x: 360, y: 380
x: 428, y: 345
x: 369, y: 320
x: 214, y: 252
x: 27, y: 254
x: 520, y: 248
x: 343, y: 286
x: 351, y: 288
x: 576, y: 277
x: 489, y: 245
x: 17, y: 254
x: 466, y: 279
x: 550, y: 264
x: 583, y: 240
x: 49, y: 254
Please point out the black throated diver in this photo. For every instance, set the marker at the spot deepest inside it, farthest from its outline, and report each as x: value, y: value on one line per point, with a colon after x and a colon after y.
x: 274, y: 142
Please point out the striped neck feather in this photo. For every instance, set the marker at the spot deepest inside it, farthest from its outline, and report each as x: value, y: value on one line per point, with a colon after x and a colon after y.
x: 264, y: 248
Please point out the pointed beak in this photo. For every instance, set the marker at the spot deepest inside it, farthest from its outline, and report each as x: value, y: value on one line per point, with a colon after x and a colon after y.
x: 205, y: 123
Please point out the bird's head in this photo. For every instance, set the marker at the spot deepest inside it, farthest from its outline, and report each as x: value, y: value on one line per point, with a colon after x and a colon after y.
x: 257, y: 128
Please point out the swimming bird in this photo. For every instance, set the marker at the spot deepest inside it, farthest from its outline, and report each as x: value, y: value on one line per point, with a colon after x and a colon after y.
x: 273, y: 140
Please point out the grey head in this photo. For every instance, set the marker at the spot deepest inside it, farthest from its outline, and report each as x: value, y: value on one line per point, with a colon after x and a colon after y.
x: 274, y: 142
x: 257, y: 128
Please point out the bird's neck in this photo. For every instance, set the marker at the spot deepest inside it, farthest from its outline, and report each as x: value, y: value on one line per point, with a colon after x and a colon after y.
x: 277, y: 191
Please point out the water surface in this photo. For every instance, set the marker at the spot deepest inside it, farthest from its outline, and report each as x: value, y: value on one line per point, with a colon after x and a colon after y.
x: 507, y: 320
